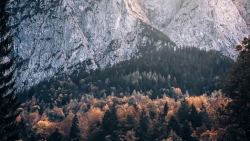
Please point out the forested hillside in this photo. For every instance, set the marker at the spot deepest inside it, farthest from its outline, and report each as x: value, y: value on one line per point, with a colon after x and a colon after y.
x: 165, y: 93
x: 156, y: 72
x: 123, y: 70
x: 130, y: 118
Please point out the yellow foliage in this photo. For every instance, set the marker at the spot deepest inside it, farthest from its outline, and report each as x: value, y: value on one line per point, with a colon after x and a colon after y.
x: 57, y: 111
x: 197, y: 101
x: 66, y: 123
x: 44, y: 117
x: 94, y: 115
x: 130, y: 136
x: 94, y: 101
x: 127, y: 114
x: 44, y: 128
x: 33, y: 118
x: 211, y: 135
x: 169, y: 115
x: 105, y: 108
x: 177, y: 91
x: 18, y: 118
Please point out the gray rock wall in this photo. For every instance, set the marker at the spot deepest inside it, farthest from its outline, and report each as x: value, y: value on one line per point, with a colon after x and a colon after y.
x: 206, y: 24
x: 58, y: 36
x: 244, y: 8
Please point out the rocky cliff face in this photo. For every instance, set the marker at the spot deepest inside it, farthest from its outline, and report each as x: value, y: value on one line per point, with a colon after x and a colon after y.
x: 244, y: 8
x: 207, y: 24
x: 58, y: 36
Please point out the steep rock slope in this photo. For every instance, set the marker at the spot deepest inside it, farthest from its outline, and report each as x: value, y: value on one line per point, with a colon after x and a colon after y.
x: 61, y: 35
x: 207, y: 24
x: 58, y: 36
x: 244, y: 8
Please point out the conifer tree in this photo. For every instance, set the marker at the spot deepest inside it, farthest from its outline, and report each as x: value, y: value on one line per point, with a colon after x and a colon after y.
x: 236, y: 86
x: 205, y: 118
x: 75, y: 131
x: 8, y: 100
x: 109, y: 122
x: 142, y: 133
x: 182, y: 113
x: 166, y: 108
x: 115, y: 136
x: 195, y: 117
x: 164, y: 132
x: 186, y: 131
x: 174, y: 125
x: 55, y: 136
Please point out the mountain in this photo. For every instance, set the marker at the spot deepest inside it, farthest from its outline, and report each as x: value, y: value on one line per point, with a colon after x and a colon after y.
x: 206, y: 24
x: 59, y: 36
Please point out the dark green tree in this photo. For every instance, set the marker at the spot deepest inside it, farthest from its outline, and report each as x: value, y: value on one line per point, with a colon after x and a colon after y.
x: 164, y: 132
x: 205, y: 118
x: 109, y: 122
x: 236, y: 86
x: 174, y: 125
x: 183, y: 112
x: 166, y: 108
x: 142, y: 132
x: 74, y: 130
x: 195, y: 117
x: 55, y: 136
x: 186, y: 131
x: 115, y: 136
x: 8, y: 100
x: 108, y: 126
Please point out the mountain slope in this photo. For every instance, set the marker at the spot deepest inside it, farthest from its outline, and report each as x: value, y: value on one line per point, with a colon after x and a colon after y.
x: 64, y: 34
x: 59, y: 36
x: 207, y: 24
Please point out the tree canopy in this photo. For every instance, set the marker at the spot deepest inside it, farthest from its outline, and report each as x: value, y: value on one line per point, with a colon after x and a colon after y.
x: 236, y: 86
x: 8, y: 100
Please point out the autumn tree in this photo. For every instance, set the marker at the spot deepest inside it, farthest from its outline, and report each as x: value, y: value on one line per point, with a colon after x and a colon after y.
x: 8, y: 99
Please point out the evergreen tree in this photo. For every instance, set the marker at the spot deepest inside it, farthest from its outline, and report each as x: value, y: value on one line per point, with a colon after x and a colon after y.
x: 186, y: 131
x: 55, y: 136
x: 195, y: 117
x: 74, y: 130
x: 115, y: 136
x: 109, y: 122
x: 182, y: 113
x: 163, y: 129
x: 174, y: 125
x: 236, y: 86
x: 164, y: 132
x: 23, y: 130
x: 142, y: 132
x: 173, y: 137
x: 149, y: 74
x: 8, y: 100
x: 166, y: 108
x: 205, y: 118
